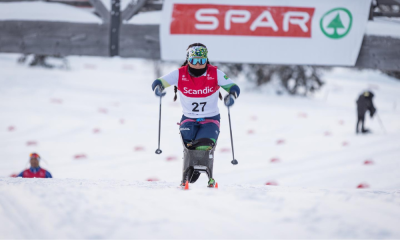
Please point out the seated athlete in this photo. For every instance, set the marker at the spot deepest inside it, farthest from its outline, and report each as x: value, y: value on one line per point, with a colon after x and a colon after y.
x: 198, y: 83
x: 35, y: 171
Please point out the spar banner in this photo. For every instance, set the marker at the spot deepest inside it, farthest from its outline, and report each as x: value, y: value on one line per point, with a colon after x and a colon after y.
x: 315, y: 32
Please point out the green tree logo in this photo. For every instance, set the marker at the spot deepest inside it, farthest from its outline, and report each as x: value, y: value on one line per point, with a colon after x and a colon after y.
x: 332, y: 25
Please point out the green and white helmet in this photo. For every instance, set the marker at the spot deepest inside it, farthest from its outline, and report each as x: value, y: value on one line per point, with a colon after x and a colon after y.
x: 197, y: 51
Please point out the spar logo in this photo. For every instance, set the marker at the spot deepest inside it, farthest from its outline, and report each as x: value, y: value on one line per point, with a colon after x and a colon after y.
x: 336, y: 23
x: 266, y: 21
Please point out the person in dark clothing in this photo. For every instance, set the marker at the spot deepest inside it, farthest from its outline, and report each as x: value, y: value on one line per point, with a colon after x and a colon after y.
x: 364, y: 104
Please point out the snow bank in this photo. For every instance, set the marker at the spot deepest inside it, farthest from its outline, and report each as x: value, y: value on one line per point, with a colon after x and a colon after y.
x: 146, y: 18
x: 41, y: 11
x: 74, y: 208
x: 382, y: 26
x: 123, y: 4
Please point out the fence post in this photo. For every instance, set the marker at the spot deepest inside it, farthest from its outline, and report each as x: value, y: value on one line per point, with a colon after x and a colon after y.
x: 115, y: 27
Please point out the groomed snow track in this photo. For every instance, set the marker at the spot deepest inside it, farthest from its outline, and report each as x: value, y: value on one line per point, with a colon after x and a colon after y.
x: 73, y: 208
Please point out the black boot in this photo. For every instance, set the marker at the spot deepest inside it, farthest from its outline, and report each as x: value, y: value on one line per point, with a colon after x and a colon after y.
x: 365, y: 131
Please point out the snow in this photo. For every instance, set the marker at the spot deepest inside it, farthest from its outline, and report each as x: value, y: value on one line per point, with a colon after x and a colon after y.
x: 41, y: 11
x: 382, y: 26
x: 146, y: 18
x: 103, y: 110
x: 74, y: 208
x: 123, y: 4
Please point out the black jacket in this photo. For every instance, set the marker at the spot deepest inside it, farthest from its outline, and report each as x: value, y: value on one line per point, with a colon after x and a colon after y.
x: 364, y: 104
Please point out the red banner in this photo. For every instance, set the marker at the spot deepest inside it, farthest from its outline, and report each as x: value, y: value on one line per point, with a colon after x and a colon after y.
x: 211, y: 19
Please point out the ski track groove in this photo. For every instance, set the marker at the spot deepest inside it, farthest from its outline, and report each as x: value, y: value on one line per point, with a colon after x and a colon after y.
x: 20, y: 217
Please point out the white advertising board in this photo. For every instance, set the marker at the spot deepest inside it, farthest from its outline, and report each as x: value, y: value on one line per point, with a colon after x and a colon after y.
x: 315, y: 32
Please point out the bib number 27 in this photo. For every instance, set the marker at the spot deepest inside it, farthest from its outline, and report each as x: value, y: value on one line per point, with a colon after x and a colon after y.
x: 196, y: 105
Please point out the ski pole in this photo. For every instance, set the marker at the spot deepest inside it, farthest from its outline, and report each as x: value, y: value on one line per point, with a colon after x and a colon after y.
x: 234, y: 161
x: 380, y: 122
x: 45, y: 161
x: 158, y: 151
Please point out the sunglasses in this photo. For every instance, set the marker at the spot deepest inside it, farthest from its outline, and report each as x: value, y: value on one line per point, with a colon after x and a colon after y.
x: 194, y: 61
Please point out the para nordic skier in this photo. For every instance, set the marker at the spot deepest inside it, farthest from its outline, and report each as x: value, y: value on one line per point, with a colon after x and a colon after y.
x: 198, y: 83
x: 35, y: 171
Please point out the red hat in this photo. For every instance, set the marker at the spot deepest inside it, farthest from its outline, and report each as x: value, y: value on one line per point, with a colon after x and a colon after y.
x: 35, y: 155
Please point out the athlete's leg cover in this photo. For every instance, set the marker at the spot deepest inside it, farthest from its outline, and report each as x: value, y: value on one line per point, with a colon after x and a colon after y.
x: 200, y: 134
x: 196, y: 162
x: 199, y: 138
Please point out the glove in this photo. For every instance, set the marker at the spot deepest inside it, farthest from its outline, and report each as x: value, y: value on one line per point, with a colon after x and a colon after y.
x: 159, y: 91
x: 372, y: 112
x: 229, y: 99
